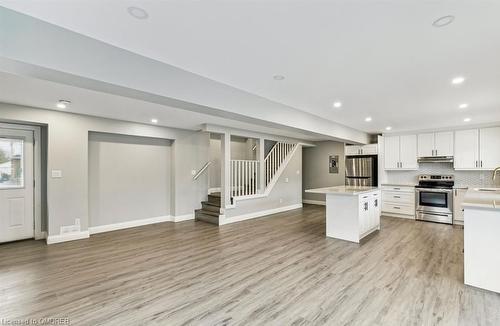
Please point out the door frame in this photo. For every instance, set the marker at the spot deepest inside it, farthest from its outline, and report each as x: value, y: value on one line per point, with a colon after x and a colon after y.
x: 37, y: 174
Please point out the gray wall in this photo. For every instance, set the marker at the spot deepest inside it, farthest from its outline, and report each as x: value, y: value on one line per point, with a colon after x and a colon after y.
x: 316, y: 172
x: 129, y: 178
x: 67, y: 150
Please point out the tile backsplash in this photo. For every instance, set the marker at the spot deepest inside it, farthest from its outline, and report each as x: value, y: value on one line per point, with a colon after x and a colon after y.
x: 462, y: 178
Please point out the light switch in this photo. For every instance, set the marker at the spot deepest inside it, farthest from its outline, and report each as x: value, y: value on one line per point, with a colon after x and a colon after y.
x: 56, y: 174
x: 286, y: 180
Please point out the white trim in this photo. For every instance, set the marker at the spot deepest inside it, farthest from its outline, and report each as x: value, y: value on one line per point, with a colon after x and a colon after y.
x: 212, y: 190
x: 227, y: 220
x: 51, y: 239
x: 181, y: 218
x: 129, y: 224
x: 314, y: 202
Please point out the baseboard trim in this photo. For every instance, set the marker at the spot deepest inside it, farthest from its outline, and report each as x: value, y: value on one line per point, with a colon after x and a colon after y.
x: 181, y: 218
x: 314, y: 202
x: 129, y: 224
x: 212, y: 190
x: 249, y: 216
x: 51, y: 239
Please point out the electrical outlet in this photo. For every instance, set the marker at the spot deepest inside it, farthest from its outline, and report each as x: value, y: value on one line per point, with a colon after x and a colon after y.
x: 298, y: 171
x: 286, y: 180
x: 281, y: 200
x: 56, y: 174
x: 193, y: 172
x: 77, y: 221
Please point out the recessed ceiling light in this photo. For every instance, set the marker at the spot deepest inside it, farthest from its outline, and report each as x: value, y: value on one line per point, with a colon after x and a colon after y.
x: 368, y: 119
x: 337, y: 104
x: 467, y: 120
x: 278, y: 77
x: 137, y: 12
x: 458, y: 80
x: 463, y: 106
x: 388, y: 128
x: 154, y: 120
x: 62, y: 104
x: 443, y: 21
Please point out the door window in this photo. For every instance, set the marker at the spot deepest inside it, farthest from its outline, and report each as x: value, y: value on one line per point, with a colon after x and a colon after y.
x: 11, y: 163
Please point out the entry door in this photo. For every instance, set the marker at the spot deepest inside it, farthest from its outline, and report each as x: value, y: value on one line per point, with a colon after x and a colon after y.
x: 16, y: 185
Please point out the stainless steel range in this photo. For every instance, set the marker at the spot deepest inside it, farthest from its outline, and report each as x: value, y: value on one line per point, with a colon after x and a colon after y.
x: 434, y: 198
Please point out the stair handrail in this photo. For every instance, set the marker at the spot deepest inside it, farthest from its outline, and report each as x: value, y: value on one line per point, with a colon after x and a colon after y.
x: 197, y: 175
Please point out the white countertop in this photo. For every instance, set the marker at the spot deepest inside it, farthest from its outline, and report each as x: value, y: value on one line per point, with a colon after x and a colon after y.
x: 343, y: 190
x: 482, y: 199
x: 399, y: 184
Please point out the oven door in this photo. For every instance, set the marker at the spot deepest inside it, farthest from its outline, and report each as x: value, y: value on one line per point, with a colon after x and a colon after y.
x: 435, y: 200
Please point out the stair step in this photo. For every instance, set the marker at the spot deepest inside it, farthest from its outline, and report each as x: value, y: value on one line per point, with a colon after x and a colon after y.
x: 214, y: 198
x: 207, y: 212
x: 208, y: 206
x: 200, y: 215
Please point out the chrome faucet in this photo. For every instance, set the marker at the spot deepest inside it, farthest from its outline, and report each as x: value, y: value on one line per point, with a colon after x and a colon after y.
x: 495, y: 173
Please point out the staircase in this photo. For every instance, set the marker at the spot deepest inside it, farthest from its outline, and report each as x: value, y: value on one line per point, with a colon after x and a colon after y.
x: 244, y: 180
x: 210, y: 209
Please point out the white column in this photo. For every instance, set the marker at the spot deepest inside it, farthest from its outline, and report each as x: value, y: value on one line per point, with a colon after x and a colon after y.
x: 260, y: 157
x: 225, y: 193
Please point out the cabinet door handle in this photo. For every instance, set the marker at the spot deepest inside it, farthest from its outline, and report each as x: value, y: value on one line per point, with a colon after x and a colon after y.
x: 396, y: 207
x: 397, y: 196
x: 376, y: 202
x: 366, y: 206
x: 396, y: 188
x: 476, y: 164
x: 481, y: 163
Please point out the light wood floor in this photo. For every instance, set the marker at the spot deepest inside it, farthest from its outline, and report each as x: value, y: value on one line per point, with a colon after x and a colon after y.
x: 278, y: 271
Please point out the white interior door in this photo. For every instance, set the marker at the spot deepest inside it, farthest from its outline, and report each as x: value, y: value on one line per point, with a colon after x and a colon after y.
x: 16, y: 185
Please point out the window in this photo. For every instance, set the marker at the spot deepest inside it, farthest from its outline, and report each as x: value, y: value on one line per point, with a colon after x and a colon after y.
x: 11, y: 163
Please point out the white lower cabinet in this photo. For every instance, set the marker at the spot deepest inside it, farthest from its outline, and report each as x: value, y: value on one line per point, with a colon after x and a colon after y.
x: 398, y: 201
x: 369, y: 213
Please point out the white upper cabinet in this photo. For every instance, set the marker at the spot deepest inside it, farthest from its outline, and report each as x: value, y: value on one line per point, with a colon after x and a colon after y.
x: 489, y: 148
x: 408, y: 152
x: 467, y: 149
x: 352, y: 150
x: 426, y: 145
x: 400, y: 152
x: 370, y: 149
x: 443, y: 143
x: 391, y: 152
x: 435, y: 144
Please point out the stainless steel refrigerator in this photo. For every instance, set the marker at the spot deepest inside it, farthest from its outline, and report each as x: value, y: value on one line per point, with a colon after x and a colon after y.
x: 361, y: 171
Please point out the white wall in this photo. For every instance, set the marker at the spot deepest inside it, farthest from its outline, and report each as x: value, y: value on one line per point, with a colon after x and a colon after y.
x: 129, y: 178
x: 67, y: 142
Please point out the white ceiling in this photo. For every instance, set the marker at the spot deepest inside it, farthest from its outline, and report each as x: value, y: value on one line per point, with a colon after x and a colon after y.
x: 44, y: 94
x: 381, y: 59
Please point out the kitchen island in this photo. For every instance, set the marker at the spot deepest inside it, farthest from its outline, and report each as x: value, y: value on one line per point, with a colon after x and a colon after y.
x: 481, y: 241
x: 352, y: 212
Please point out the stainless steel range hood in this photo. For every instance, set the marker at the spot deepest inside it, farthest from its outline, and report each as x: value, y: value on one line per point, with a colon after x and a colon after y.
x: 435, y: 159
